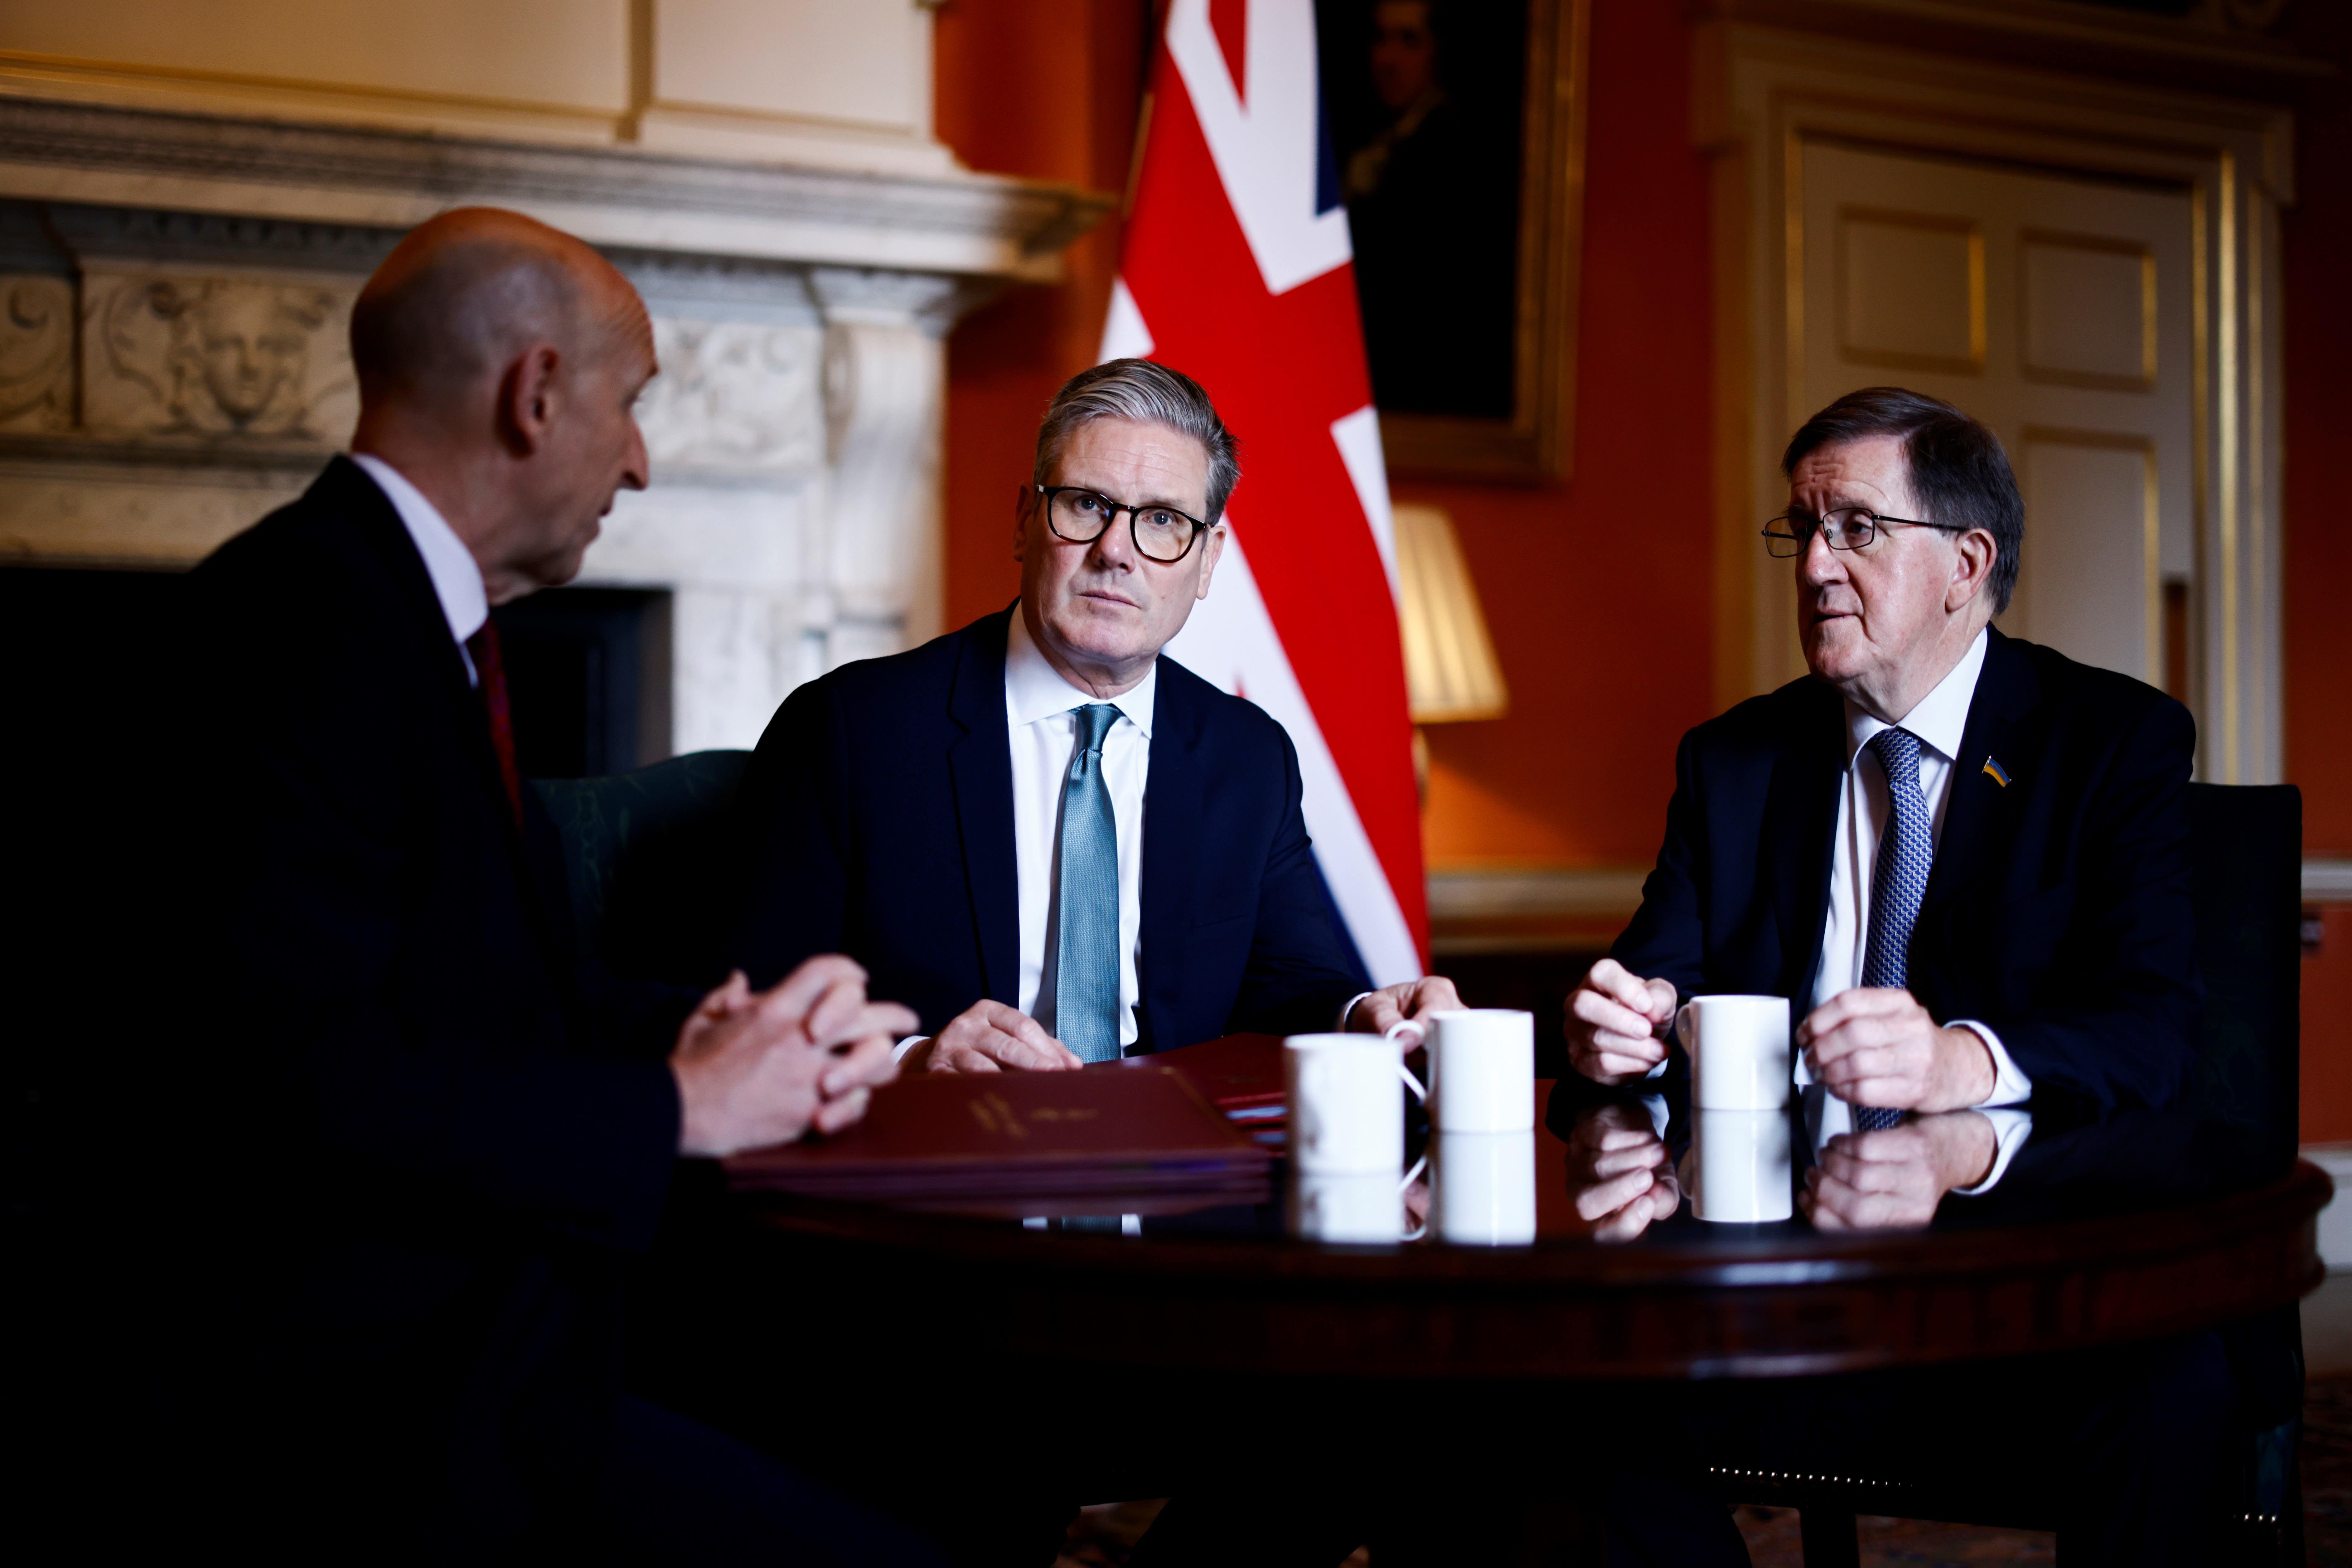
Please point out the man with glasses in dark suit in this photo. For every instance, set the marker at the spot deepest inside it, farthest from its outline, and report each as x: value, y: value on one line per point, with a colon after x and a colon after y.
x: 1964, y: 860
x: 1054, y: 845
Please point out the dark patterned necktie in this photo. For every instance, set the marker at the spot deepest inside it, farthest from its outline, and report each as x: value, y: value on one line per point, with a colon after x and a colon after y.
x: 1905, y: 850
x: 491, y: 669
x: 1085, y: 963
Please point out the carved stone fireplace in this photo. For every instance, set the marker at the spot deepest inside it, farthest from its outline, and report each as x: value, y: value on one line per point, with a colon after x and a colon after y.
x: 173, y: 290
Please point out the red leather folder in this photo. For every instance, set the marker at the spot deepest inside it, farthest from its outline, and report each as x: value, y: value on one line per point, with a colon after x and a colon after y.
x: 955, y: 1140
x: 1237, y: 1073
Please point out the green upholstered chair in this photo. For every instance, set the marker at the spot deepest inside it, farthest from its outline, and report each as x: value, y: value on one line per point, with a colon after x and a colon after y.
x: 2246, y: 855
x: 652, y: 859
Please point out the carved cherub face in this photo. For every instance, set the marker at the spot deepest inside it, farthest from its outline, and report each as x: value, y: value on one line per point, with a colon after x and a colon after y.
x: 249, y: 343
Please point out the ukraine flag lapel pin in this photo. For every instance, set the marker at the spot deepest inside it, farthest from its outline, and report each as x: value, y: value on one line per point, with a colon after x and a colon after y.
x: 1999, y: 776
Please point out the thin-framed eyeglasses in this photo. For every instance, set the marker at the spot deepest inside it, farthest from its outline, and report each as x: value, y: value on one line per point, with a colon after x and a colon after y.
x: 1081, y: 516
x: 1845, y: 528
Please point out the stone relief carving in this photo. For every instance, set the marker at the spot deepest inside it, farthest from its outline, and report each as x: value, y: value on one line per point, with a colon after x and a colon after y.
x: 35, y: 353
x: 217, y: 358
x: 737, y: 396
x: 883, y: 386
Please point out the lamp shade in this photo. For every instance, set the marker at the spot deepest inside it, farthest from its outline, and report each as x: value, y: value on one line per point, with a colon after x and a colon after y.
x: 1449, y: 669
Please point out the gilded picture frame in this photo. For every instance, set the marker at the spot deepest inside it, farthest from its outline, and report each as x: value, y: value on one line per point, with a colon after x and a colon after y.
x: 1466, y: 268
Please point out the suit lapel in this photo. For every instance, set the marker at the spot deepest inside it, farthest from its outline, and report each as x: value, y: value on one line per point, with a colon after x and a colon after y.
x: 1800, y: 819
x: 360, y: 496
x: 979, y: 765
x: 2006, y: 690
x: 390, y: 538
x: 1171, y: 820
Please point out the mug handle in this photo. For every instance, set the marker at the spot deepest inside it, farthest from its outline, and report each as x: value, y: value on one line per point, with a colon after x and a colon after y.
x: 1395, y: 1032
x: 1682, y: 1022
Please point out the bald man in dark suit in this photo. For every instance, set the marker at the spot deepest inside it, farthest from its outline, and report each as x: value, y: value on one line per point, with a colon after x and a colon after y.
x: 422, y: 1148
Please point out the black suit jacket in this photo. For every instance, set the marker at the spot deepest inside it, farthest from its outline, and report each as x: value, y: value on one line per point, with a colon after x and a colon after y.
x: 2057, y: 911
x: 882, y: 799
x: 421, y: 1166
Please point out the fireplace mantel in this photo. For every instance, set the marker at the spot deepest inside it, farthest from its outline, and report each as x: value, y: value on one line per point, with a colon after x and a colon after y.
x: 172, y: 361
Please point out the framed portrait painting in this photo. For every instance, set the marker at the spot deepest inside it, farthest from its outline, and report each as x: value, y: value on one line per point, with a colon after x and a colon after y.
x: 1458, y: 126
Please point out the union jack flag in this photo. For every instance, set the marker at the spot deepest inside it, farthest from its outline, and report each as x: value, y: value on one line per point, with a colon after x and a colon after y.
x: 1236, y: 269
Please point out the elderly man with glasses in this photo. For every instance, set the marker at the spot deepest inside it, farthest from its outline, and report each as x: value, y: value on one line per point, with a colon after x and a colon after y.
x: 1964, y: 860
x: 1056, y: 844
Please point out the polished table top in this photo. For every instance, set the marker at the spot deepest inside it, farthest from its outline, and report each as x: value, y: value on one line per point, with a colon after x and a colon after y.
x: 2101, y: 1228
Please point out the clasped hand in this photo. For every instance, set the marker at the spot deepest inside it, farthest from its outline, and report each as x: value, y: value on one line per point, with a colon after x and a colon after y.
x: 988, y: 1036
x: 1871, y: 1046
x: 760, y: 1067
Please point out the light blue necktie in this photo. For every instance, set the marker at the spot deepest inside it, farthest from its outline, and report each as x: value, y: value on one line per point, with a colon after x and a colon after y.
x: 1086, y: 964
x: 1905, y: 850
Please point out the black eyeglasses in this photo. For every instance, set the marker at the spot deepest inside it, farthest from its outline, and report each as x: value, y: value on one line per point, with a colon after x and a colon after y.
x: 1161, y: 533
x: 1846, y: 528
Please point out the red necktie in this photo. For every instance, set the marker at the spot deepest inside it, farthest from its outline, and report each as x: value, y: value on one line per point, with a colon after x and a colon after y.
x: 492, y: 670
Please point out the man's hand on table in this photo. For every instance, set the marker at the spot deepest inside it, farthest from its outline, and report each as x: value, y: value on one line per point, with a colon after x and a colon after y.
x: 988, y: 1036
x: 760, y: 1067
x: 1893, y: 1178
x: 1617, y: 1024
x: 1620, y: 1173
x: 1377, y: 1012
x: 1878, y: 1046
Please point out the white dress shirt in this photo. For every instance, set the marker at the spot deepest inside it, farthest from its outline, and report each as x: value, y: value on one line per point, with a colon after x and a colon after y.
x: 1040, y: 709
x: 1865, y: 809
x: 456, y: 576
x: 1040, y: 721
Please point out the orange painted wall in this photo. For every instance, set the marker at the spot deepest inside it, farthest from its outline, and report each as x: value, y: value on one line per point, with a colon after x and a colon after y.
x: 2317, y: 239
x: 1045, y: 89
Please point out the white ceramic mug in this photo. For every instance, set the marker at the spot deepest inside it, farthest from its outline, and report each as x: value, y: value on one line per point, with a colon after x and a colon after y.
x: 1483, y: 1188
x: 1739, y: 1166
x: 1346, y: 1103
x: 1481, y: 1070
x: 1739, y: 1049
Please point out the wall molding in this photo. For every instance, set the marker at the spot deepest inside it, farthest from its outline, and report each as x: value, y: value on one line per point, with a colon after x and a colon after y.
x: 184, y: 164
x: 1530, y: 909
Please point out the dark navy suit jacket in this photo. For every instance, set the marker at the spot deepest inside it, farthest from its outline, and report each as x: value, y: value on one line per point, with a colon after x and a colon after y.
x: 2057, y: 911
x: 417, y: 1162
x: 881, y: 801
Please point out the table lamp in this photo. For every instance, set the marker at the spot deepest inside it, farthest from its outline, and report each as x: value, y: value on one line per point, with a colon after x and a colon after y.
x: 1450, y: 671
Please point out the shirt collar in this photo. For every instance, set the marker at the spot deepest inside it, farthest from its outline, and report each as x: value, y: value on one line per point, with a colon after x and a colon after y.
x: 456, y: 576
x: 1939, y: 719
x: 1034, y: 689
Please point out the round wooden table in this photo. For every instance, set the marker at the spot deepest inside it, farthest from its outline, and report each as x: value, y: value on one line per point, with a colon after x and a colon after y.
x: 2132, y: 1228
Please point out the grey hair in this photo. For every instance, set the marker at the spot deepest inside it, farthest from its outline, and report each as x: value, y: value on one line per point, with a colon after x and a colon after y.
x: 1958, y: 469
x: 1149, y: 394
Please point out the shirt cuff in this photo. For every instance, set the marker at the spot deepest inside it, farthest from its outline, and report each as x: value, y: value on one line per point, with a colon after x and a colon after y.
x: 2009, y: 1085
x: 1661, y: 1113
x: 1341, y: 1027
x: 898, y: 1052
x: 2010, y: 1127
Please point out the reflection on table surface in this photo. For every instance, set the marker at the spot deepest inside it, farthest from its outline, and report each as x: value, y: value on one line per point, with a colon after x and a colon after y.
x: 1608, y: 1167
x: 1618, y: 1167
